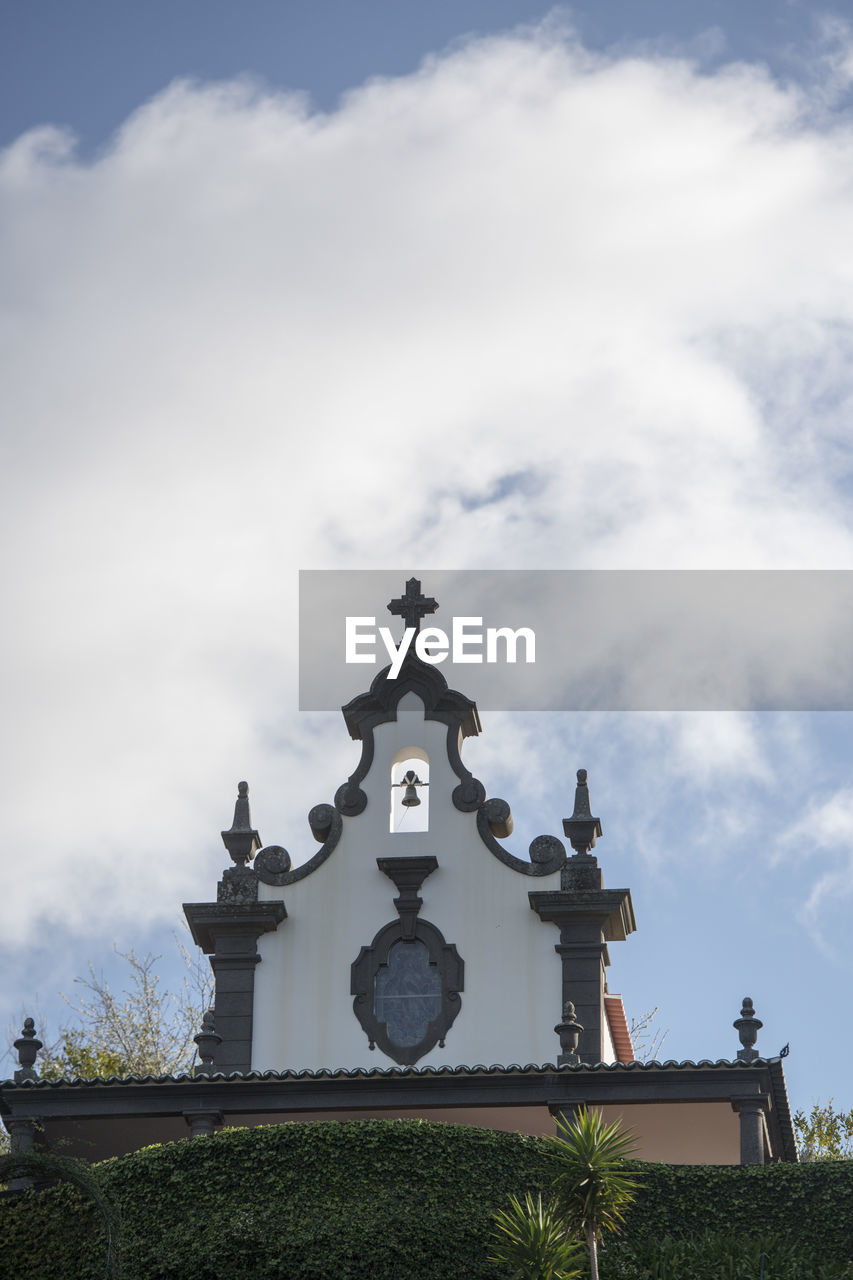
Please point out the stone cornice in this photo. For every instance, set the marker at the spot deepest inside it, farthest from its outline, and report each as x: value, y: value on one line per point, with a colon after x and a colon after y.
x: 613, y: 907
x: 209, y: 920
x: 280, y: 1094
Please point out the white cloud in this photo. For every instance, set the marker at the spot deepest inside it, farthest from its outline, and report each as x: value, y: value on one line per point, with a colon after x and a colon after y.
x: 246, y: 339
x: 824, y: 835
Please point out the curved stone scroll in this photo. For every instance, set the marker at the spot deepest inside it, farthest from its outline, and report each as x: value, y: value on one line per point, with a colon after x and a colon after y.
x: 350, y: 800
x: 273, y: 863
x: 547, y: 853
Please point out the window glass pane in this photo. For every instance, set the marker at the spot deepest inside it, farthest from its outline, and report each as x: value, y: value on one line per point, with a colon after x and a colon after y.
x: 407, y: 992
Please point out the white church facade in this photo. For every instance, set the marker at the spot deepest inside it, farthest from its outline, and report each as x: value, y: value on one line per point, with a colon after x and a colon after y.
x: 413, y: 936
x: 414, y: 966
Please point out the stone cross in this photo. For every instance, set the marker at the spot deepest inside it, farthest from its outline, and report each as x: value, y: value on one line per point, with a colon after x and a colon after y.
x: 412, y: 606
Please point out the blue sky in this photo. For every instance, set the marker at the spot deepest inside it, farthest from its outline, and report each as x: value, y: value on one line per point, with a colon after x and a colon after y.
x: 311, y: 286
x: 90, y: 64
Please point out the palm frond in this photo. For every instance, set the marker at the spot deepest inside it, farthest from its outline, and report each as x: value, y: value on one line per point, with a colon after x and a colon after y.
x: 530, y: 1240
x: 593, y: 1186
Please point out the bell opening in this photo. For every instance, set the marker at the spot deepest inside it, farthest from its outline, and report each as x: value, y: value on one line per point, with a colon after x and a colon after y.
x: 410, y: 791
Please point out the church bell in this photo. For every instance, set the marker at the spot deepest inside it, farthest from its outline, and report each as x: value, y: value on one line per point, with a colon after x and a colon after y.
x: 412, y: 782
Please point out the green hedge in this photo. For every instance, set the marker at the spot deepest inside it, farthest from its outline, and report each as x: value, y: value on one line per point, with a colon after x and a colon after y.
x: 813, y: 1203
x: 373, y: 1200
x: 714, y: 1256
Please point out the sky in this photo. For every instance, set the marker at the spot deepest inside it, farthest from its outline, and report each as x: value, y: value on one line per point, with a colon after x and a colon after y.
x: 379, y: 285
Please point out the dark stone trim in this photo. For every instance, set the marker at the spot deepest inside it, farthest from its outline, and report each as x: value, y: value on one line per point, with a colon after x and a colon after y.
x: 408, y: 875
x: 202, y: 1124
x: 614, y: 906
x: 781, y: 1111
x: 587, y: 920
x: 567, y: 1111
x: 408, y: 872
x: 210, y: 920
x: 371, y: 959
x: 470, y: 793
x: 228, y: 933
x: 754, y: 1139
x: 238, y: 885
x: 273, y: 863
x: 22, y: 1141
x: 569, y: 1031
x: 379, y: 706
x: 547, y: 853
x: 687, y: 1066
x: 349, y: 797
x: 288, y: 1093
x: 22, y: 1134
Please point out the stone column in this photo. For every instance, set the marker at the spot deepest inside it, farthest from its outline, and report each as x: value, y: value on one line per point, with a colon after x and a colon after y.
x: 565, y: 1111
x: 751, y: 1108
x: 22, y: 1138
x: 203, y: 1123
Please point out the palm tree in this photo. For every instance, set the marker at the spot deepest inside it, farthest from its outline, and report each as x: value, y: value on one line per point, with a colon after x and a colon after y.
x: 593, y: 1186
x: 530, y: 1240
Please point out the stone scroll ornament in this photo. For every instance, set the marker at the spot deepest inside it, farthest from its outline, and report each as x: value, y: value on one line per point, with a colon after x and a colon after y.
x: 272, y: 863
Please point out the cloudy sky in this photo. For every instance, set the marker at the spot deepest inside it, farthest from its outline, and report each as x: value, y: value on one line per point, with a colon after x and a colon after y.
x: 385, y: 285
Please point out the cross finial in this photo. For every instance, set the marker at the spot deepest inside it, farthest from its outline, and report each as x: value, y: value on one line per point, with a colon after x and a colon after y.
x: 412, y: 606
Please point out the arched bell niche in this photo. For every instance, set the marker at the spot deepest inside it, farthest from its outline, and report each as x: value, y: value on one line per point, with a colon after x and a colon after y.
x: 409, y: 784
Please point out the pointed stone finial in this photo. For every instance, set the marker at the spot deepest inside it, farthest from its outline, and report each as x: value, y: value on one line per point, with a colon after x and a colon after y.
x: 242, y: 841
x: 207, y: 1040
x: 747, y: 1027
x: 27, y: 1046
x: 582, y: 828
x: 569, y: 1031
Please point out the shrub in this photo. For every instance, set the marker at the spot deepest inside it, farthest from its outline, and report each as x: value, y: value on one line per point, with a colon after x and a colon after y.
x: 381, y: 1200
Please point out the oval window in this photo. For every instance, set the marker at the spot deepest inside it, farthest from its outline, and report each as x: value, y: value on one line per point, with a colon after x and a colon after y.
x: 407, y: 993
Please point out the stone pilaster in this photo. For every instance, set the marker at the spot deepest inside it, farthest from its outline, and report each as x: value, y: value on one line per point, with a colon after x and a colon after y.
x: 228, y: 932
x: 22, y: 1140
x: 587, y: 919
x: 751, y: 1109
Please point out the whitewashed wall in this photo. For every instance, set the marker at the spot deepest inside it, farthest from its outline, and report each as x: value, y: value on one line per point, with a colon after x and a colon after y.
x: 303, y: 1010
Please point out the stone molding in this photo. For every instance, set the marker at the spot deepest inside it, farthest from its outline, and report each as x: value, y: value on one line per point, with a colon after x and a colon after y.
x: 228, y: 932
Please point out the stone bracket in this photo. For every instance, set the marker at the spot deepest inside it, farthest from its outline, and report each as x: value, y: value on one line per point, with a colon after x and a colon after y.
x: 203, y: 1123
x: 408, y: 875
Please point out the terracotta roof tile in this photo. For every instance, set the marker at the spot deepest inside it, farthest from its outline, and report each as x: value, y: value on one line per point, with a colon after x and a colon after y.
x: 619, y: 1032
